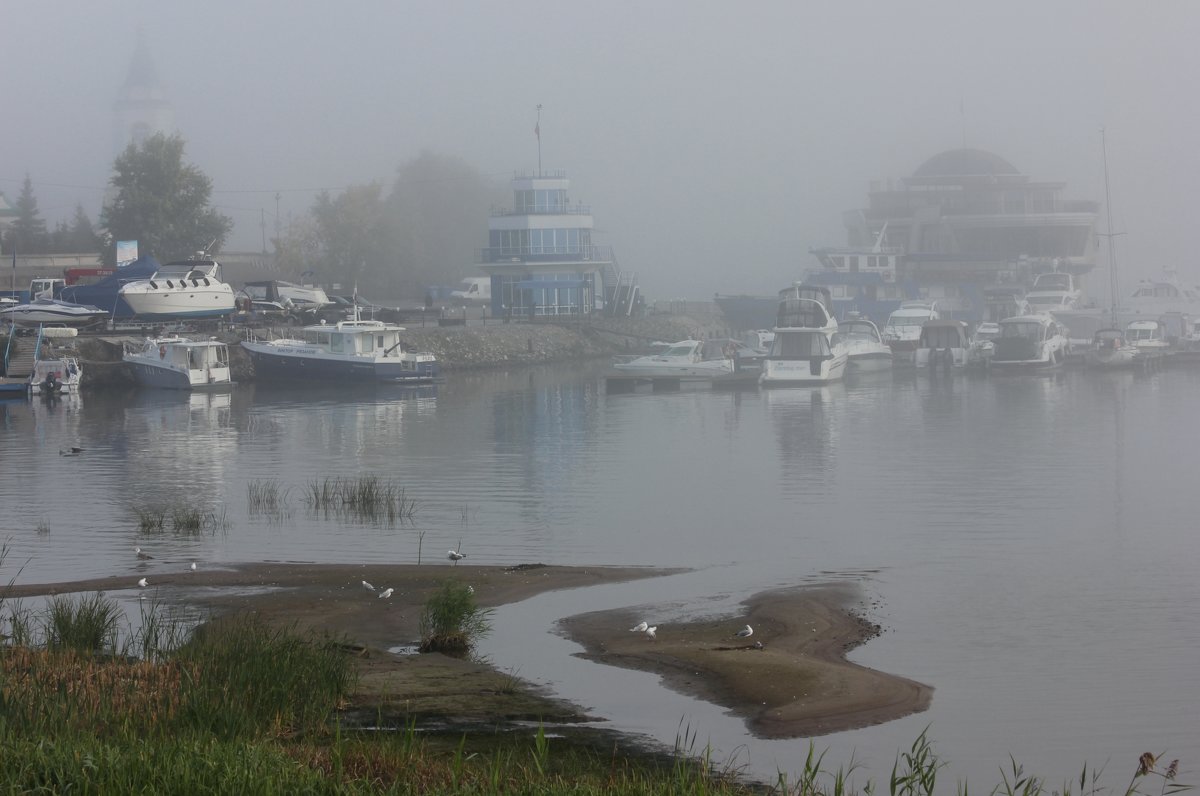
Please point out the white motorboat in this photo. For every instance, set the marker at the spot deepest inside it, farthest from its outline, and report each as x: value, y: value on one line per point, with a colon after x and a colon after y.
x: 56, y: 375
x: 1034, y: 341
x: 865, y: 349
x: 1054, y: 292
x: 686, y: 360
x: 943, y: 343
x: 1147, y: 337
x: 983, y: 344
x: 903, y: 329
x: 1110, y: 349
x: 351, y: 351
x: 806, y: 348
x: 1153, y: 298
x: 179, y: 363
x: 189, y: 289
x: 44, y: 311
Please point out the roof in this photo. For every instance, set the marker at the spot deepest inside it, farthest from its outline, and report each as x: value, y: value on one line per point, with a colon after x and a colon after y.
x: 964, y: 163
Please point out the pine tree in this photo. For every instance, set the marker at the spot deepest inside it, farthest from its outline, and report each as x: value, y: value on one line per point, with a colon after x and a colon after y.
x: 27, y: 234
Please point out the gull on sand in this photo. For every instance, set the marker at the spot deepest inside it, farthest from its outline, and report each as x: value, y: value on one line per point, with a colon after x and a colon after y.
x: 142, y: 583
x: 368, y: 586
x: 640, y: 627
x: 455, y: 556
x: 650, y: 631
x: 383, y: 595
x: 745, y: 632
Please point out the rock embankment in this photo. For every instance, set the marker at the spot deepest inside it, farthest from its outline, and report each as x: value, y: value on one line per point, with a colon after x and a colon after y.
x: 494, y: 344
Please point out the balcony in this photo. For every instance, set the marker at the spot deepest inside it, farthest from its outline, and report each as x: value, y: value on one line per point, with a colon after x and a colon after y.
x: 545, y: 254
x: 546, y: 210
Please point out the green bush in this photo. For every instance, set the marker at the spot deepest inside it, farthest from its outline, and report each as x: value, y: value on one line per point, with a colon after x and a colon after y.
x: 451, y: 622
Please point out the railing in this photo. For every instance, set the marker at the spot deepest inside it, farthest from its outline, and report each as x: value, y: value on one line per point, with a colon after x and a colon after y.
x: 552, y: 174
x: 577, y: 209
x: 499, y: 254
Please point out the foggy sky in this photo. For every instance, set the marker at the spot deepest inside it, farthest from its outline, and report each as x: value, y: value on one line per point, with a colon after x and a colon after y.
x: 715, y: 142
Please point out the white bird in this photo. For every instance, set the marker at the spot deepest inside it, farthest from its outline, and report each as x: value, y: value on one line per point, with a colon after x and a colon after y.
x: 640, y: 627
x: 745, y: 632
x: 455, y: 556
x: 142, y: 555
x: 142, y: 583
x: 650, y: 631
x: 470, y: 589
x: 383, y: 595
x: 368, y: 586
x: 193, y: 566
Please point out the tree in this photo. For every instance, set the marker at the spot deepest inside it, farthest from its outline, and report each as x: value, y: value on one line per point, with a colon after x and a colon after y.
x: 28, y: 232
x: 161, y: 202
x: 350, y: 233
x: 82, y: 235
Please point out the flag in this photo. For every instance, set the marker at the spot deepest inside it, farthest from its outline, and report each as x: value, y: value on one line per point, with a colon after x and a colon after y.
x: 537, y: 130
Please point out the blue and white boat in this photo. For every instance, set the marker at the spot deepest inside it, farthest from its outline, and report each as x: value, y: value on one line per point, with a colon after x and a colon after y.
x: 350, y: 351
x: 48, y: 311
x: 179, y: 363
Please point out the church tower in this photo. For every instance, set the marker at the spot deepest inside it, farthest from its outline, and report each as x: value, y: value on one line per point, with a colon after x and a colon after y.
x: 142, y: 108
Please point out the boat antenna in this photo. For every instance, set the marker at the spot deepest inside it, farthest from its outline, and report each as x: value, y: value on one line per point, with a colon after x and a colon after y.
x: 1112, y: 257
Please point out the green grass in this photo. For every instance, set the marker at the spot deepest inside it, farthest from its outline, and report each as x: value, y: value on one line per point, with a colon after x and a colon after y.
x: 366, y: 497
x: 451, y: 622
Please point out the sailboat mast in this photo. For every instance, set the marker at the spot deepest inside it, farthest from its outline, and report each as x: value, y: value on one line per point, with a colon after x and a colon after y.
x: 1112, y: 257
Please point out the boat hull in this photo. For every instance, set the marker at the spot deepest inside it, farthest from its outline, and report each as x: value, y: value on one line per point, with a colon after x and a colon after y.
x: 23, y: 316
x: 802, y: 372
x: 181, y: 304
x: 301, y: 363
x: 867, y: 362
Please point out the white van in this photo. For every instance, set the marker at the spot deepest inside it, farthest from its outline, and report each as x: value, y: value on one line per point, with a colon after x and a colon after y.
x: 476, y: 288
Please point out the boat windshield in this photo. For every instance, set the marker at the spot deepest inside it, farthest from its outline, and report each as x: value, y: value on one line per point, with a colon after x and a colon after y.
x: 1053, y: 282
x: 1031, y: 330
x: 858, y: 330
x: 678, y: 351
x: 1053, y: 300
x: 907, y: 320
x: 941, y: 337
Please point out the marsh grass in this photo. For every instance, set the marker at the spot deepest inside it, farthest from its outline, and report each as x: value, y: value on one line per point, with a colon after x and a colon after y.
x: 84, y: 623
x: 265, y: 496
x: 150, y: 518
x: 451, y: 622
x: 367, y: 497
x: 194, y: 520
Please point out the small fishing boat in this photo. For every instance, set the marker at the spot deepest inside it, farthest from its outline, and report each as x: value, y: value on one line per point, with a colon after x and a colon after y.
x: 352, y: 351
x: 179, y: 363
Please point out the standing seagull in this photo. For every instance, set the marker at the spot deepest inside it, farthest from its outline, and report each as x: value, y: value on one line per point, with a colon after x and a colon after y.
x: 383, y: 595
x: 142, y: 583
x: 455, y: 556
x: 650, y: 631
x: 368, y: 586
x: 640, y: 627
x: 193, y: 566
x: 745, y: 632
x: 141, y: 554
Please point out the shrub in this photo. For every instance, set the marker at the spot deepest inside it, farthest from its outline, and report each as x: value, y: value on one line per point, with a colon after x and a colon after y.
x: 451, y: 622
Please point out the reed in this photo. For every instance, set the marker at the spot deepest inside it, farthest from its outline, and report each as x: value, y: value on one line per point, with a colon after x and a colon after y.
x: 366, y: 497
x: 87, y: 623
x: 194, y: 520
x: 265, y: 496
x: 150, y: 518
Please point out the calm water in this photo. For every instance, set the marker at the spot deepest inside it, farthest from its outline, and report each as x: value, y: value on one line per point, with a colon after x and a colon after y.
x: 1028, y: 543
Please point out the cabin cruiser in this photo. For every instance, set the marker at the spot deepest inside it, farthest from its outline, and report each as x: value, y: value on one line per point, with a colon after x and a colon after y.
x: 1030, y: 341
x: 806, y: 348
x: 1110, y: 349
x: 1054, y: 292
x: 1147, y: 337
x: 942, y: 343
x: 865, y: 349
x: 1153, y: 298
x: 686, y: 359
x: 188, y: 289
x: 903, y: 328
x: 44, y: 311
x: 179, y: 363
x: 351, y: 351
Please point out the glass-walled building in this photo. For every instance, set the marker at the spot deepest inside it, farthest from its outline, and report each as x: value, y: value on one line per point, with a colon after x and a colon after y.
x: 540, y: 254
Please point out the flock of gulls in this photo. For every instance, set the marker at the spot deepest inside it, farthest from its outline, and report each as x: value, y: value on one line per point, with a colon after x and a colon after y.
x: 144, y: 556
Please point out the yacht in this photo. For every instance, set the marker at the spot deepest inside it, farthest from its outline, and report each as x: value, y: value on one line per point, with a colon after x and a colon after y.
x: 1153, y: 298
x: 1034, y: 341
x: 806, y: 348
x: 865, y: 349
x: 942, y: 343
x: 191, y: 288
x: 1054, y: 292
x: 179, y: 363
x: 350, y: 351
x: 903, y: 329
x: 1147, y: 337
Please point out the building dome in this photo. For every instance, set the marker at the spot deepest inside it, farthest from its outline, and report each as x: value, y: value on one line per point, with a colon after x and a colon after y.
x: 965, y: 163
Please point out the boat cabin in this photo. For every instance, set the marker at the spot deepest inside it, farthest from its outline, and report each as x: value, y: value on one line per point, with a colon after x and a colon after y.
x: 356, y: 337
x: 944, y: 334
x: 805, y: 306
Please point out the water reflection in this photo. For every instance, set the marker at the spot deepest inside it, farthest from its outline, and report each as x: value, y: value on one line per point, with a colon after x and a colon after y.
x: 806, y: 421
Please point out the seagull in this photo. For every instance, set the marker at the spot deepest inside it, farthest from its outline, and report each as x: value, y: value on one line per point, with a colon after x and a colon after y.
x: 640, y: 627
x: 455, y: 556
x: 650, y: 631
x: 143, y: 556
x: 193, y: 566
x: 142, y: 583
x: 383, y: 595
x: 745, y: 632
x: 368, y: 586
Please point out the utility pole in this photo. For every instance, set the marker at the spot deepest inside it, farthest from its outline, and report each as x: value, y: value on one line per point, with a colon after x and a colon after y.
x: 263, y: 223
x: 278, y: 233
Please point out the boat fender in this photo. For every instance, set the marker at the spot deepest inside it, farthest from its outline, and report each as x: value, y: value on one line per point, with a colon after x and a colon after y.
x: 162, y: 352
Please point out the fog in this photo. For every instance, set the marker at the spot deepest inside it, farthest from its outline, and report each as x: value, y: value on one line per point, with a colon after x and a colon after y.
x: 715, y: 142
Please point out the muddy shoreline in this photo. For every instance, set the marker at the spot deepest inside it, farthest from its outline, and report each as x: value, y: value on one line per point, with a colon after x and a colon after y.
x: 790, y: 679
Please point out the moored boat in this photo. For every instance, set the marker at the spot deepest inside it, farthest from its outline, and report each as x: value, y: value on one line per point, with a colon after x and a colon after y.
x: 943, y: 343
x: 189, y: 289
x: 865, y: 349
x: 1035, y: 341
x: 354, y: 351
x: 685, y: 360
x: 179, y: 363
x: 1110, y: 349
x: 903, y: 329
x: 806, y: 348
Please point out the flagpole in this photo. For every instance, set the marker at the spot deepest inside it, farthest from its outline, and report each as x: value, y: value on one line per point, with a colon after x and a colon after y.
x: 538, y: 130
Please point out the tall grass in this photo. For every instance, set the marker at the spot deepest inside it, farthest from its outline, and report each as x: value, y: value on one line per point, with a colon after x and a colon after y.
x: 367, y: 497
x: 87, y: 623
x: 451, y: 622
